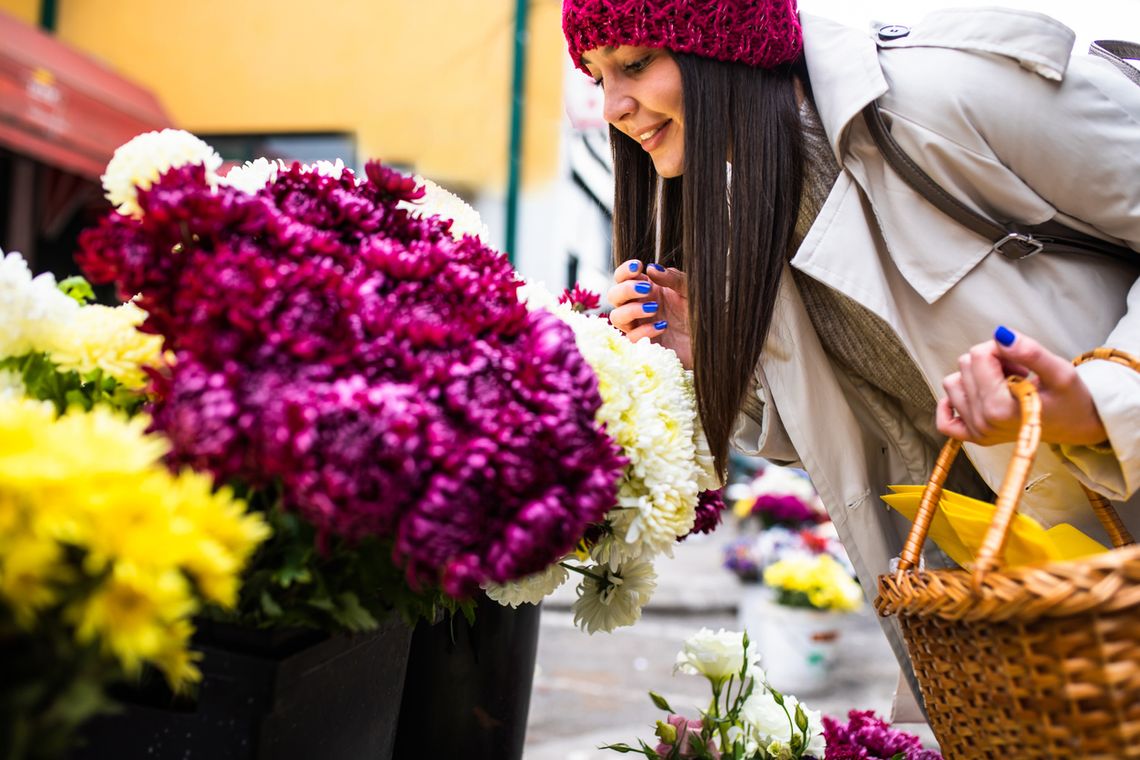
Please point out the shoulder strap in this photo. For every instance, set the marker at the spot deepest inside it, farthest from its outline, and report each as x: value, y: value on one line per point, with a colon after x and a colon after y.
x: 1118, y: 53
x: 1013, y: 241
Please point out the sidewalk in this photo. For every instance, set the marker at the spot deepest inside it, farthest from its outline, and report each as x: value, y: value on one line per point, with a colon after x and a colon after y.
x: 591, y: 690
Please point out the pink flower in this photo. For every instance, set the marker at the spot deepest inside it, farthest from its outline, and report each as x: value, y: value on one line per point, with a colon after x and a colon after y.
x: 688, y: 738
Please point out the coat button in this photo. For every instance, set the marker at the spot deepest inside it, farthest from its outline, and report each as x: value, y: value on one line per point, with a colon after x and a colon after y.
x: 893, y: 32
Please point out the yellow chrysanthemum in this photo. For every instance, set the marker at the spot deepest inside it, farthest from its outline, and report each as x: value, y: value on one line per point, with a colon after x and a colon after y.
x: 106, y: 338
x: 823, y: 580
x: 133, y: 614
x: 95, y: 481
x: 29, y: 569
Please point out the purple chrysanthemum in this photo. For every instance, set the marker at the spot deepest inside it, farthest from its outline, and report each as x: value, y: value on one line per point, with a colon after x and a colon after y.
x: 710, y: 510
x: 381, y: 370
x: 867, y: 737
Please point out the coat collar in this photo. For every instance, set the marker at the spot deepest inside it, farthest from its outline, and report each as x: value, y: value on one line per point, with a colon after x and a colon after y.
x: 843, y: 66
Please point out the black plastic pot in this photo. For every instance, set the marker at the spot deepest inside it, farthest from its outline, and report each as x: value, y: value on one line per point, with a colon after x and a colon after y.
x: 267, y: 695
x: 467, y: 690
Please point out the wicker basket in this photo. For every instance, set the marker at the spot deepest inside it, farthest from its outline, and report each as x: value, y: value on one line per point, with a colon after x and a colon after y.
x: 1031, y: 662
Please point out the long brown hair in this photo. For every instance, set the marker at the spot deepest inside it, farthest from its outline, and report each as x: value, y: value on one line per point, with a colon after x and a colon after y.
x: 750, y: 114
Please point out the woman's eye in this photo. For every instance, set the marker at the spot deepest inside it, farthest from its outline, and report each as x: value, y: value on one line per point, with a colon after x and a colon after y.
x: 638, y: 65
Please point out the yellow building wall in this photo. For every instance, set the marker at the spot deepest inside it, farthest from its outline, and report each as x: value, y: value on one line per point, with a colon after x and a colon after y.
x: 425, y: 82
x: 27, y: 11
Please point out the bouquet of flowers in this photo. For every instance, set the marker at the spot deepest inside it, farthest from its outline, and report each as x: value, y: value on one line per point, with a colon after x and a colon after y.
x: 748, y: 556
x: 778, y: 496
x: 667, y: 490
x: 105, y: 554
x: 363, y: 370
x: 749, y: 720
x: 746, y: 719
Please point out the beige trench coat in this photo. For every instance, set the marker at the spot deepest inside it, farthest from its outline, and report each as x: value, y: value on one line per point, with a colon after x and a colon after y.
x: 990, y: 104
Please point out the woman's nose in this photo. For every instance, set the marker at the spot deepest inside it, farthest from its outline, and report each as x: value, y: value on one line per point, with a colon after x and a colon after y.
x: 617, y: 104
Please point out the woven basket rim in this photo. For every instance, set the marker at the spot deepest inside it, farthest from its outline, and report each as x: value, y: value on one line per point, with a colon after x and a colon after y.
x: 1025, y: 593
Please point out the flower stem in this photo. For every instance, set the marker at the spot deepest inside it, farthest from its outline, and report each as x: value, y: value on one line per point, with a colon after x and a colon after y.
x: 583, y: 571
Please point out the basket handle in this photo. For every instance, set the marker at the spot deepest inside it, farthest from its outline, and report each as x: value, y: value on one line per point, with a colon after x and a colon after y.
x: 1013, y: 484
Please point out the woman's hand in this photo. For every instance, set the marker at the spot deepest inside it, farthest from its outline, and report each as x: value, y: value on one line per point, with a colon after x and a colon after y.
x: 650, y: 302
x: 979, y: 408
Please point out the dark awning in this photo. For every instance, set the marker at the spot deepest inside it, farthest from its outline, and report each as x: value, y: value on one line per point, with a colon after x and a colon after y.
x: 63, y: 107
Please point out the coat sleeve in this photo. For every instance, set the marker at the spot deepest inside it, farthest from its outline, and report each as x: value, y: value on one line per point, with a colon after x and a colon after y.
x: 1076, y: 145
x: 759, y: 430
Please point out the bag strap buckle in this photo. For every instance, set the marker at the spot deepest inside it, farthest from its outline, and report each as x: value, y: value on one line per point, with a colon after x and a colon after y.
x: 1015, y: 246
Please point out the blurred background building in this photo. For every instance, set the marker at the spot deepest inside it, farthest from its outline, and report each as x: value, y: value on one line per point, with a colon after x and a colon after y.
x: 430, y: 86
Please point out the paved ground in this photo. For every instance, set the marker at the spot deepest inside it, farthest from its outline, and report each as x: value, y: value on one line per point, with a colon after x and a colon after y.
x: 591, y: 690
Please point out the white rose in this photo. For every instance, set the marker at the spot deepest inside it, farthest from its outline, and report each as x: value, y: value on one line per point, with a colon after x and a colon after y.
x: 717, y: 656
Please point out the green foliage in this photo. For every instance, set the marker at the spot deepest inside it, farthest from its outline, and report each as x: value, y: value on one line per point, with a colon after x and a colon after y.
x: 45, y: 381
x: 51, y: 686
x: 78, y: 288
x: 300, y: 579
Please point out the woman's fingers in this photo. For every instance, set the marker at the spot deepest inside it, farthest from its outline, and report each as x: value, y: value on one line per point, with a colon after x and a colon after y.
x: 648, y: 330
x: 629, y: 270
x: 959, y: 405
x: 632, y: 315
x: 949, y: 423
x: 666, y: 278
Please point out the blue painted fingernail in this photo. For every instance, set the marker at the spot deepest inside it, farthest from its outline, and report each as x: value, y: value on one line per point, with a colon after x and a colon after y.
x: 660, y: 325
x: 643, y: 287
x: 633, y: 265
x: 650, y: 307
x: 658, y: 267
x: 1005, y: 336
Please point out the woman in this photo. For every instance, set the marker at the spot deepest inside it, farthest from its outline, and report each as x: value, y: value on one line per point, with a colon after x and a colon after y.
x: 834, y: 317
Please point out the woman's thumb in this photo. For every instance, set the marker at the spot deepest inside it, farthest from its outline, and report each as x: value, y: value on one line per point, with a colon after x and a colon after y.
x: 666, y: 278
x: 1023, y: 352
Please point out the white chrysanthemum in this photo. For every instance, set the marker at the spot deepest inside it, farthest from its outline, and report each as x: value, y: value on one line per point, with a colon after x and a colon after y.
x: 253, y: 175
x: 613, y: 597
x: 334, y: 169
x: 105, y: 338
x: 138, y: 163
x: 11, y: 385
x: 529, y: 590
x: 649, y: 409
x: 447, y: 205
x: 769, y: 725
x: 717, y: 656
x: 29, y: 307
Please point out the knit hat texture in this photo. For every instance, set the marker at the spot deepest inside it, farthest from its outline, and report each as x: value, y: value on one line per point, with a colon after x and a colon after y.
x: 762, y: 33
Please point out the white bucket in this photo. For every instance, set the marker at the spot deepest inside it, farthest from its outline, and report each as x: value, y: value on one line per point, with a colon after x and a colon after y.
x: 797, y: 646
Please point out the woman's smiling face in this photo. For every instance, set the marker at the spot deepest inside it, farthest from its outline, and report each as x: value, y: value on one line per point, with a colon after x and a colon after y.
x: 643, y: 100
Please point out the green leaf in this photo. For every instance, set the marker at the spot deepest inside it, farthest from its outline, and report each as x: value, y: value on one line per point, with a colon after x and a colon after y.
x: 352, y: 615
x: 898, y: 756
x: 269, y: 606
x: 78, y: 288
x: 660, y: 702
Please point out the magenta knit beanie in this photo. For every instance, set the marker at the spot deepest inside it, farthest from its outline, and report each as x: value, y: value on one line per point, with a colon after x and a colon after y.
x: 761, y: 33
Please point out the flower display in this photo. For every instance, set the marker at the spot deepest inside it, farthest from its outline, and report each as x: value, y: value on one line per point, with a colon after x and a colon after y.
x: 103, y: 549
x: 778, y: 496
x: 649, y: 408
x: 866, y: 737
x: 745, y: 719
x: 748, y: 719
x: 749, y: 555
x: 818, y: 582
x: 343, y: 350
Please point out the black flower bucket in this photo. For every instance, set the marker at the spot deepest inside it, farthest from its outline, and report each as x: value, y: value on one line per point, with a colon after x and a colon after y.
x: 267, y: 695
x: 467, y: 690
